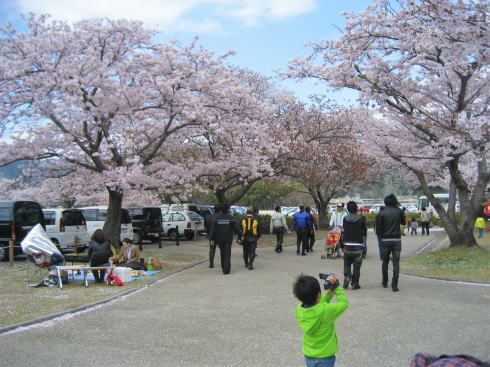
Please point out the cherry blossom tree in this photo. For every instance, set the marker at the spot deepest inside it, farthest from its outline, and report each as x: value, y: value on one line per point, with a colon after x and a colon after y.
x: 237, y: 147
x: 326, y: 155
x: 96, y: 103
x: 424, y: 65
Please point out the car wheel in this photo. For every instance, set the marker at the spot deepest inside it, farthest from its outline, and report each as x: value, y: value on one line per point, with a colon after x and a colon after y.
x: 189, y: 236
x: 172, y: 234
x: 136, y: 237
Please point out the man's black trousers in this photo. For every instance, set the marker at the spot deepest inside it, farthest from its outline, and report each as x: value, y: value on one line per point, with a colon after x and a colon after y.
x: 302, y: 239
x: 393, y: 249
x: 225, y: 256
x: 353, y: 260
x: 249, y: 246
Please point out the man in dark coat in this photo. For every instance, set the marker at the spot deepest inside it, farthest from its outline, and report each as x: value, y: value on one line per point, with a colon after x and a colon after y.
x: 388, y: 224
x: 221, y: 234
x: 355, y: 230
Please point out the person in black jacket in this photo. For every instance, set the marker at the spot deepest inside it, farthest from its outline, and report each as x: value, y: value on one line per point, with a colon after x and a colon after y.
x: 207, y: 224
x: 355, y: 230
x: 221, y: 234
x: 99, y: 253
x: 388, y: 224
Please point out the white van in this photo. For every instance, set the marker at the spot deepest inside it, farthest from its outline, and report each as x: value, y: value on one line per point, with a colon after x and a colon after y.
x: 67, y: 229
x: 96, y: 215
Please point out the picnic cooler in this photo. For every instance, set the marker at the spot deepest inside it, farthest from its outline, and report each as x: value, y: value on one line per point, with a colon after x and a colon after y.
x: 123, y: 273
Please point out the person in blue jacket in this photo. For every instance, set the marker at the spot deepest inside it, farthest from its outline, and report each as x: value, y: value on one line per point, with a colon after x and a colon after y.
x: 302, y: 225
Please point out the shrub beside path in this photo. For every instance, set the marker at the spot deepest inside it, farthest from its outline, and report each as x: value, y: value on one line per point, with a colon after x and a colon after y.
x: 200, y: 317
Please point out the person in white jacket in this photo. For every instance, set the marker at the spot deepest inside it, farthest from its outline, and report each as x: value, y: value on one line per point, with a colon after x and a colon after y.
x: 337, y: 219
x: 278, y: 226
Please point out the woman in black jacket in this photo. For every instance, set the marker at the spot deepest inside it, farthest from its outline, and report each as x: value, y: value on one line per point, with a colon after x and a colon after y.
x: 99, y: 253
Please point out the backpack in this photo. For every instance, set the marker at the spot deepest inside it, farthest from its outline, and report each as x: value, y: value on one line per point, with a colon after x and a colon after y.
x: 249, y: 226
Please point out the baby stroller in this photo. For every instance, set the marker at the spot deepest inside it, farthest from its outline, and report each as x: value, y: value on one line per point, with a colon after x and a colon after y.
x: 332, y: 245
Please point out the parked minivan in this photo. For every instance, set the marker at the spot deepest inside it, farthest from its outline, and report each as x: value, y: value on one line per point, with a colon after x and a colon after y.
x: 95, y: 217
x: 147, y: 223
x: 67, y: 229
x: 17, y: 217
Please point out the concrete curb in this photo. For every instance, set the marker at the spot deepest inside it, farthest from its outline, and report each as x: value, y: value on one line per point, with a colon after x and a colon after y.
x: 471, y: 282
x: 93, y: 304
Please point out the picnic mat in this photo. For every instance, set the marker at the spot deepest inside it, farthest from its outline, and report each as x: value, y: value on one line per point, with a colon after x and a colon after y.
x: 72, y: 274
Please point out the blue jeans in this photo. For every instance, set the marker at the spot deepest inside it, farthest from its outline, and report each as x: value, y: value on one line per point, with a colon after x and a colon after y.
x: 480, y: 232
x: 320, y: 362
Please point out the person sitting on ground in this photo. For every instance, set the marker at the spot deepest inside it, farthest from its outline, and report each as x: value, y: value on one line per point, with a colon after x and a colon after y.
x: 99, y: 253
x: 316, y: 316
x: 128, y: 255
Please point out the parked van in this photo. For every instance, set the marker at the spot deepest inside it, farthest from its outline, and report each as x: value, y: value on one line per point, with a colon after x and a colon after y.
x: 17, y: 218
x: 96, y: 215
x: 147, y: 223
x: 181, y: 207
x: 67, y: 229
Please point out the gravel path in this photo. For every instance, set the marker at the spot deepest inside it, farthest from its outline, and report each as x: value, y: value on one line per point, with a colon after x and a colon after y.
x: 201, y: 317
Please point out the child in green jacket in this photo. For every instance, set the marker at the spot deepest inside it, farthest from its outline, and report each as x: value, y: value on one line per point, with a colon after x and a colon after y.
x: 316, y: 316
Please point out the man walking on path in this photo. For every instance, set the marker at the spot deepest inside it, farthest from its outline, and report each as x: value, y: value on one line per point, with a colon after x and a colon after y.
x: 314, y: 227
x: 278, y: 226
x: 212, y: 247
x: 221, y: 234
x: 302, y: 226
x: 388, y: 225
x: 424, y: 221
x: 250, y: 227
x: 355, y: 231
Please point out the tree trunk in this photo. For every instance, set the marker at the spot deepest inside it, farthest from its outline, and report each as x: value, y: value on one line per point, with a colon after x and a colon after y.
x: 112, y: 225
x: 323, y: 214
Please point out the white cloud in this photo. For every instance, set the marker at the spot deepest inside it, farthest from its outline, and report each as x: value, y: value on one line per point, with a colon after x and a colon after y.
x: 183, y: 15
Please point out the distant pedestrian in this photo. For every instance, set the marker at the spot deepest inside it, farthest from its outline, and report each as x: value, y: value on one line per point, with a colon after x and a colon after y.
x: 314, y: 227
x: 355, y: 231
x: 250, y: 227
x: 302, y: 226
x: 480, y: 224
x: 379, y: 237
x: 337, y: 219
x: 402, y: 226
x: 413, y: 226
x: 221, y: 233
x: 388, y: 225
x: 278, y: 226
x: 424, y: 221
x: 212, y: 246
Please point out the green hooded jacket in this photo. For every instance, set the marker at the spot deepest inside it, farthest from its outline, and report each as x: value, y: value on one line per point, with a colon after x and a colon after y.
x: 320, y: 338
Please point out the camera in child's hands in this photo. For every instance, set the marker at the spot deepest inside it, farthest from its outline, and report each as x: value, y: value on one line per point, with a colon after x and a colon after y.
x: 327, y: 285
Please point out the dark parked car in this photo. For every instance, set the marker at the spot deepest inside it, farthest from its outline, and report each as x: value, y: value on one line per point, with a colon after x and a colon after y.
x: 16, y: 220
x: 147, y: 224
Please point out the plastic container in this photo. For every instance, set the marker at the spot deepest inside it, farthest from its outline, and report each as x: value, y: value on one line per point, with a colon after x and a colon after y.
x: 123, y: 273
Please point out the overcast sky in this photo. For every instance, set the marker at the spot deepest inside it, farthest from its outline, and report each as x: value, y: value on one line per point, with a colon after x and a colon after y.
x: 265, y: 34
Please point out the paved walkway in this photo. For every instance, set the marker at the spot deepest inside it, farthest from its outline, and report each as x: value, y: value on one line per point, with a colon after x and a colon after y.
x: 201, y: 317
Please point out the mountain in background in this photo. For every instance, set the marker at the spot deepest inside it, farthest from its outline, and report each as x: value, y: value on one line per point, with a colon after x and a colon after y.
x: 12, y: 170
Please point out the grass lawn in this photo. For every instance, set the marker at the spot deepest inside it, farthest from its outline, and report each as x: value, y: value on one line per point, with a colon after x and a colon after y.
x: 453, y: 263
x: 20, y: 303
